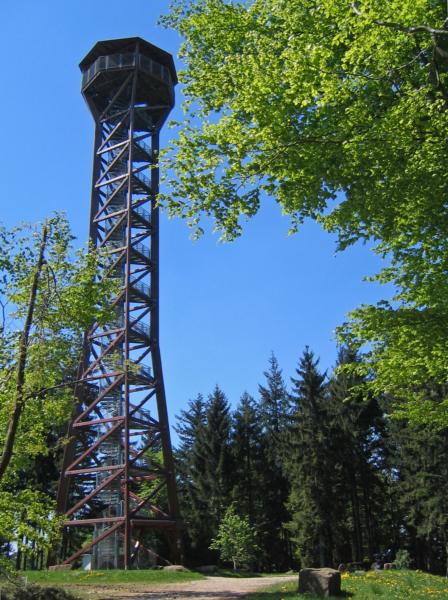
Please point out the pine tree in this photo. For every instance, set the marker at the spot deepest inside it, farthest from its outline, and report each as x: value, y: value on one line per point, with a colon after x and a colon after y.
x: 190, y: 425
x: 205, y: 470
x: 309, y: 466
x: 248, y: 459
x: 212, y: 457
x: 358, y: 439
x: 274, y: 411
x: 422, y: 475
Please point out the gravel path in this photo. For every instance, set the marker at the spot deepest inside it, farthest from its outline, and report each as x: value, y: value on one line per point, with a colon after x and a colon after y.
x: 211, y: 588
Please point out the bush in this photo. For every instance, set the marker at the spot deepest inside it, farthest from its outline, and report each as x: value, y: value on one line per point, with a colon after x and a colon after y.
x: 235, y: 540
x: 402, y: 559
x: 35, y: 592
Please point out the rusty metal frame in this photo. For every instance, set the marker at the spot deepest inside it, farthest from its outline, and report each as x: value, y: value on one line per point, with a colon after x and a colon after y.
x: 106, y: 452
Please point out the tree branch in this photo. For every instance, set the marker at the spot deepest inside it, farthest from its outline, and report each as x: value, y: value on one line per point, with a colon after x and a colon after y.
x: 19, y: 403
x: 42, y: 391
x: 399, y: 27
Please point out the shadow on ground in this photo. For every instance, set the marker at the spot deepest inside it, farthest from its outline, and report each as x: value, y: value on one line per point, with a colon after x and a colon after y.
x: 170, y: 595
x: 293, y: 595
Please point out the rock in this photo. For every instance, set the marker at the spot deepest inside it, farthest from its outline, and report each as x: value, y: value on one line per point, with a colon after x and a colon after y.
x: 175, y: 568
x: 389, y: 566
x: 60, y: 567
x: 206, y: 569
x: 320, y: 582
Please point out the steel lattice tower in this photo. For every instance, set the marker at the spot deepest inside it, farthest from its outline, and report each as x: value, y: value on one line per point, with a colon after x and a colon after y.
x: 118, y: 467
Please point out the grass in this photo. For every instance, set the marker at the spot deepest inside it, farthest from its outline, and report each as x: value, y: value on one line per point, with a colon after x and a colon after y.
x: 113, y: 577
x: 240, y: 574
x: 382, y: 585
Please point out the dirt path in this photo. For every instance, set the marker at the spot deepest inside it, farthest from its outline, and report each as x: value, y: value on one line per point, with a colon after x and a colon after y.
x: 211, y: 588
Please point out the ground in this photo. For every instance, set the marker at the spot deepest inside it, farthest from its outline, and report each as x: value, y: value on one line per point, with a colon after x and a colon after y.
x: 209, y: 588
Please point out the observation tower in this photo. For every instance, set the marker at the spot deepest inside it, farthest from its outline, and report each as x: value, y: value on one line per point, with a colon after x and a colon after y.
x: 117, y: 485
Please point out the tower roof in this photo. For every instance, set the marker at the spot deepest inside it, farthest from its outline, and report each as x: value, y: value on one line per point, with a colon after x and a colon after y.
x: 123, y: 45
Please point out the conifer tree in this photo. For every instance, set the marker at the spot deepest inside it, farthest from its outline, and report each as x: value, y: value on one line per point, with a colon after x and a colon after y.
x: 420, y: 463
x: 274, y: 410
x: 205, y: 470
x: 248, y: 459
x: 309, y: 466
x: 190, y: 425
x: 358, y: 439
x: 213, y: 459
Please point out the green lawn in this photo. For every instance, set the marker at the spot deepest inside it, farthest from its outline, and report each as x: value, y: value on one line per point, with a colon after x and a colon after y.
x: 78, y: 577
x: 383, y: 585
x: 240, y: 574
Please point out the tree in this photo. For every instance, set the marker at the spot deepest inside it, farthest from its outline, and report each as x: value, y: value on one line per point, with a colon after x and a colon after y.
x: 206, y: 473
x: 235, y: 540
x: 310, y: 467
x: 48, y: 296
x: 274, y: 411
x: 190, y: 428
x: 213, y: 459
x: 367, y: 519
x: 338, y: 110
x: 251, y: 481
x: 248, y: 459
x: 190, y: 422
x: 419, y: 459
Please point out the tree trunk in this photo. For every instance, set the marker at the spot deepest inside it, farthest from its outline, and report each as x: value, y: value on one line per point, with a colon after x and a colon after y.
x: 322, y: 550
x: 357, y: 541
x: 446, y: 558
x: 8, y: 447
x: 371, y: 540
x: 19, y: 558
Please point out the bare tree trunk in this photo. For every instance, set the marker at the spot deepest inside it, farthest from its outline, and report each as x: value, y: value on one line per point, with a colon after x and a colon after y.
x: 8, y: 447
x: 19, y: 558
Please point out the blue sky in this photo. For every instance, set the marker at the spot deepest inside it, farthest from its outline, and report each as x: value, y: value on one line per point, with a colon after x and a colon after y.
x: 224, y: 307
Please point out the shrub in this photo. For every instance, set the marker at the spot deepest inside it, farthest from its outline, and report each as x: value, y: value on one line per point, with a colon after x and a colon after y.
x: 235, y: 540
x: 35, y: 592
x: 402, y: 559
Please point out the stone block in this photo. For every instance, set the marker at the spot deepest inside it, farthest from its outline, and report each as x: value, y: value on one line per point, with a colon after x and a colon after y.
x: 60, y: 567
x: 320, y: 582
x: 175, y: 568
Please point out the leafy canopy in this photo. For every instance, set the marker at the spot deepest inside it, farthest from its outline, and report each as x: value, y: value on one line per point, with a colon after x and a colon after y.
x: 338, y: 110
x: 36, y: 378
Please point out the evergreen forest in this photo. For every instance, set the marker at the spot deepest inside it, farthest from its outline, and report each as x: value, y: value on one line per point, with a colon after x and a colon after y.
x: 322, y: 473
